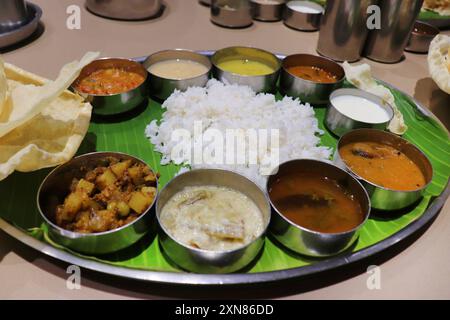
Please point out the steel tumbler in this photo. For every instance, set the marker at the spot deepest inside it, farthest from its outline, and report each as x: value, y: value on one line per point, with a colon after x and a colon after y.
x: 13, y: 14
x: 343, y: 29
x: 397, y: 21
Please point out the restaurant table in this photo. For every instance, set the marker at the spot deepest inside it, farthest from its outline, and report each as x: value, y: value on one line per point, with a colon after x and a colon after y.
x: 418, y: 267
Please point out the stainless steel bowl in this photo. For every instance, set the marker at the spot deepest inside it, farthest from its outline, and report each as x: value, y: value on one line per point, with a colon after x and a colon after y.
x: 13, y: 14
x: 304, y: 21
x: 421, y: 37
x: 309, y: 242
x: 306, y: 90
x: 112, y: 104
x: 386, y: 43
x: 125, y: 9
x: 267, y: 11
x: 265, y: 83
x: 162, y: 88
x: 204, y: 261
x: 231, y: 13
x: 9, y: 36
x: 384, y: 198
x: 55, y: 188
x: 340, y: 124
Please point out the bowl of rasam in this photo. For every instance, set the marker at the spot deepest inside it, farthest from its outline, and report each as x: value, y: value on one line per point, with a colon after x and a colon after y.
x: 318, y: 208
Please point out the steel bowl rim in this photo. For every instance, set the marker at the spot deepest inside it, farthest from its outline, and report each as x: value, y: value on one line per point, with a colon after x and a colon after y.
x: 427, y: 35
x: 304, y: 229
x: 229, y: 251
x: 101, y: 12
x: 33, y: 19
x: 378, y: 186
x: 341, y: 80
x: 371, y: 95
x: 83, y: 94
x: 79, y: 235
x: 280, y: 3
x: 289, y: 9
x: 178, y: 50
x: 224, y: 7
x: 417, y: 40
x: 278, y: 68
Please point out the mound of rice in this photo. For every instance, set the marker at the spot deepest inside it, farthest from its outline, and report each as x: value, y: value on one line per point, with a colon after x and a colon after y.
x: 224, y: 106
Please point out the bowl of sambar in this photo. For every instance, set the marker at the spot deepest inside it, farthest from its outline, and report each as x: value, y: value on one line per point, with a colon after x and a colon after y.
x: 393, y: 170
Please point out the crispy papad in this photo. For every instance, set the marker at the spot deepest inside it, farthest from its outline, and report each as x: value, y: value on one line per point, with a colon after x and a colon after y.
x: 42, y: 124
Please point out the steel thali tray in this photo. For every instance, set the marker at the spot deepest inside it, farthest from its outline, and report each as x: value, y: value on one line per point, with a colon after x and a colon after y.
x: 239, y: 278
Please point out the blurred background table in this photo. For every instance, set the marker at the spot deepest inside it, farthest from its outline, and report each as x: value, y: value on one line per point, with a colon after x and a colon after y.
x: 415, y: 268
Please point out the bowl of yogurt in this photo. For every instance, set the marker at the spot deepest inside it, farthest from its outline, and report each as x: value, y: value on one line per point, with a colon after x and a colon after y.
x: 351, y: 109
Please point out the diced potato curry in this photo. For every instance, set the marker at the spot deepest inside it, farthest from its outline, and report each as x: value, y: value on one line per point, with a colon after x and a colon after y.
x: 107, y: 197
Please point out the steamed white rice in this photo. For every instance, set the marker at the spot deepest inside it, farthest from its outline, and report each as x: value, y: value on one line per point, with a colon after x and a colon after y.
x: 224, y: 106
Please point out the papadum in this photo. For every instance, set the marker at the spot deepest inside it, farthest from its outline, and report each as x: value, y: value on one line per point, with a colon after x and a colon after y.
x: 361, y: 77
x: 439, y: 61
x: 42, y: 124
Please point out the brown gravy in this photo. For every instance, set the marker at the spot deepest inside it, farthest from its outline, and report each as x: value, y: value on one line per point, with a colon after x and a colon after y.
x: 316, y: 202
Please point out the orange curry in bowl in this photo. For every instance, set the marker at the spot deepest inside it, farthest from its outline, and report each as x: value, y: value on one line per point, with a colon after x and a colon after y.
x: 383, y: 165
x: 313, y: 73
x: 109, y: 81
